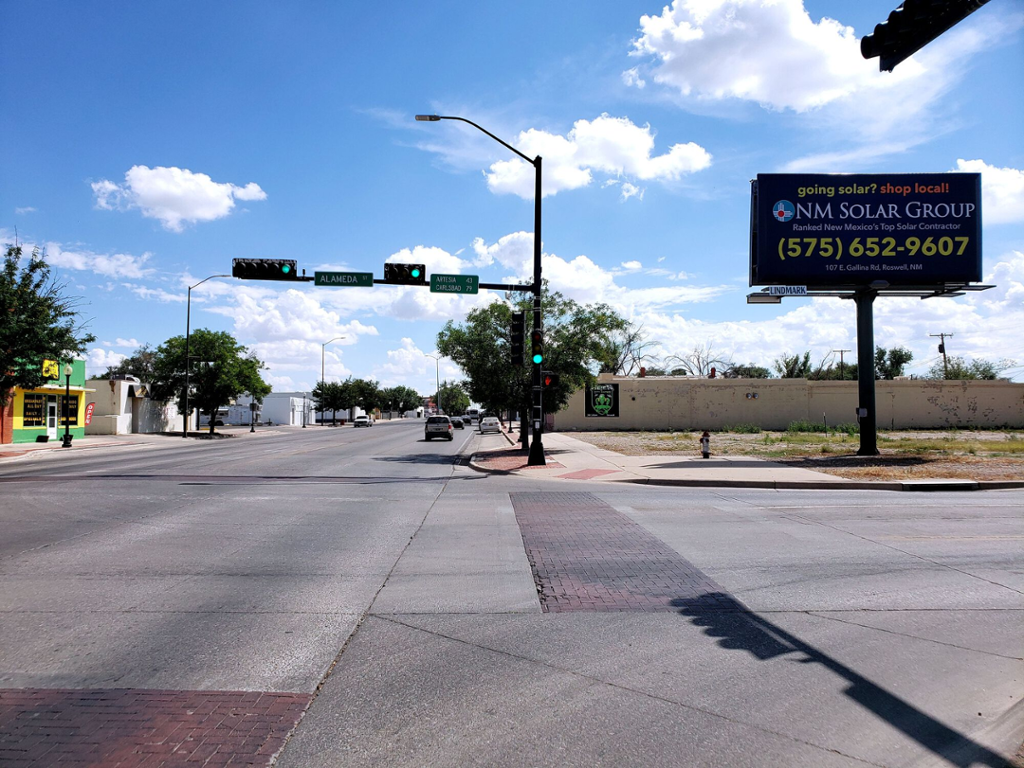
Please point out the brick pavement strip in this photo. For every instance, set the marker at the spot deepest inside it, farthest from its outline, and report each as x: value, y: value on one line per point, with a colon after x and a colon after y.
x: 586, y: 556
x: 129, y: 728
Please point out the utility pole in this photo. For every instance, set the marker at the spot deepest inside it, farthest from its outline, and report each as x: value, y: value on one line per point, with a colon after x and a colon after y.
x: 942, y: 351
x: 842, y: 377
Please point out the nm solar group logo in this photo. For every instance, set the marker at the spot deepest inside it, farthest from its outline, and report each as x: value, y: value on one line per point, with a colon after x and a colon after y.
x: 783, y: 210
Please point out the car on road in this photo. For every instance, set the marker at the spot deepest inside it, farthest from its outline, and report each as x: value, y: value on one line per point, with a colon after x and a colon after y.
x: 490, y: 424
x: 457, y: 422
x: 362, y: 421
x: 438, y: 426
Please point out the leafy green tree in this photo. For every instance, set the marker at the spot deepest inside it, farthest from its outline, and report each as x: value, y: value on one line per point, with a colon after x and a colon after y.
x: 575, y: 341
x: 454, y: 398
x: 890, y: 363
x: 330, y: 396
x: 793, y: 366
x: 366, y: 393
x: 748, y: 371
x: 138, y: 364
x: 400, y: 398
x: 957, y: 368
x: 38, y: 322
x: 222, y: 369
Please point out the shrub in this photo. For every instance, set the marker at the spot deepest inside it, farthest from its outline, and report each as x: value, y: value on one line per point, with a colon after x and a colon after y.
x: 848, y: 429
x: 805, y: 426
x: 745, y: 429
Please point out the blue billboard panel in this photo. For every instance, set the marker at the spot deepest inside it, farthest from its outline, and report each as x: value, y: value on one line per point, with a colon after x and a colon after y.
x: 917, y: 229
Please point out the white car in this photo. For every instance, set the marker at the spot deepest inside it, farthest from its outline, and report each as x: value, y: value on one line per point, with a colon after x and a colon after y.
x: 362, y: 421
x: 490, y: 424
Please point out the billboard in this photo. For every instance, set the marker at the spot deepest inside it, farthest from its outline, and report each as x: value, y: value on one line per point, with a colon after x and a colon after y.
x: 918, y: 229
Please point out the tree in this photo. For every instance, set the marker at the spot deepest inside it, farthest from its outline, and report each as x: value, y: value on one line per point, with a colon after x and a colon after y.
x: 221, y: 370
x: 748, y: 371
x: 139, y: 364
x: 330, y: 396
x: 366, y: 393
x: 454, y: 397
x: 575, y: 337
x: 957, y: 368
x: 699, y: 361
x: 624, y: 351
x: 890, y: 363
x: 793, y: 366
x: 38, y: 322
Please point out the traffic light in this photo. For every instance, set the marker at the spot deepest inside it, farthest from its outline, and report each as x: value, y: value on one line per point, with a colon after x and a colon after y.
x: 537, y: 347
x: 264, y: 269
x: 517, y: 337
x: 550, y: 380
x: 405, y: 274
x: 911, y: 27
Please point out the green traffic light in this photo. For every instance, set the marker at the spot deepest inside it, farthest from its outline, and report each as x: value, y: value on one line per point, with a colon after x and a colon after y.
x: 538, y: 359
x: 415, y: 273
x: 286, y: 268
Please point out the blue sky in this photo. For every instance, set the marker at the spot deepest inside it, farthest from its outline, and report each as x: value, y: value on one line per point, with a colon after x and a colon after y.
x: 146, y: 145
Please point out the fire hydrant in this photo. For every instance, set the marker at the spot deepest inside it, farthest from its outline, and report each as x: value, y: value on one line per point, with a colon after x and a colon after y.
x: 705, y: 445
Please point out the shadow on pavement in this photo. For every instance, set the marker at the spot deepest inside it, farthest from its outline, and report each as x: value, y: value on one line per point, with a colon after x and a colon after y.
x: 738, y: 628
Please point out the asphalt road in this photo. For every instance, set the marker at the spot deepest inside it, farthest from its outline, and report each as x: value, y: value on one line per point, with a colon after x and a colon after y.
x: 395, y: 588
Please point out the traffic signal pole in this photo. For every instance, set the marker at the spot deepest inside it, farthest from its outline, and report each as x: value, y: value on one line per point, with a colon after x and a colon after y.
x: 536, y: 457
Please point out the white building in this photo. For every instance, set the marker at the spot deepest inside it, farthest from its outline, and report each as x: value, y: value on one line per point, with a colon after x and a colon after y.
x: 124, y: 407
x: 278, y: 408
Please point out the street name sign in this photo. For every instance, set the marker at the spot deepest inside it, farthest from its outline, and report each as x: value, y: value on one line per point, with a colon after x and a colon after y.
x: 454, y: 283
x: 343, y: 279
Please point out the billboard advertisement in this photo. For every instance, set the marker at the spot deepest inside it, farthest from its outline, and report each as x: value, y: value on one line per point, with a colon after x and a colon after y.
x: 918, y: 229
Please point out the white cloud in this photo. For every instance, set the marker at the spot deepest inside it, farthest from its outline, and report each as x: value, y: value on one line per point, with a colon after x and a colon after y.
x: 631, y: 77
x: 120, y: 265
x: 23, y: 211
x: 173, y: 196
x: 159, y: 294
x: 608, y: 145
x: 772, y: 53
x: 98, y: 360
x: 1002, y: 191
x: 768, y: 52
x: 632, y: 266
x: 130, y: 343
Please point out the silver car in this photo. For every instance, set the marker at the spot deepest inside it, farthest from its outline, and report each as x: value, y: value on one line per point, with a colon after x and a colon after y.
x: 438, y: 426
x: 490, y: 424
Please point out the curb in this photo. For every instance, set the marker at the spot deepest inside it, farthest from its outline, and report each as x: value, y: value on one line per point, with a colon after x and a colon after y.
x: 798, y: 485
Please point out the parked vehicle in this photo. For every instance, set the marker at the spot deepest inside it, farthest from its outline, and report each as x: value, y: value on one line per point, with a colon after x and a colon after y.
x: 490, y: 424
x: 363, y: 421
x: 438, y: 426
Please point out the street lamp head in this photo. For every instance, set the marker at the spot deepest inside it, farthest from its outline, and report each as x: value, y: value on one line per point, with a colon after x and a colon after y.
x: 428, y: 118
x: 68, y: 369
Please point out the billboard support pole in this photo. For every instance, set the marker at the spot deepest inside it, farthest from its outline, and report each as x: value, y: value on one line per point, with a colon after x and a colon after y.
x: 866, y: 372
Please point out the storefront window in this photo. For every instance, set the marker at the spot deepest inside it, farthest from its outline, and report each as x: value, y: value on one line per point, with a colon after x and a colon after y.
x: 34, y: 414
x: 72, y: 416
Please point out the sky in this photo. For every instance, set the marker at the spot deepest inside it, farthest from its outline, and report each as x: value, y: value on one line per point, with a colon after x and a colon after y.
x: 146, y: 145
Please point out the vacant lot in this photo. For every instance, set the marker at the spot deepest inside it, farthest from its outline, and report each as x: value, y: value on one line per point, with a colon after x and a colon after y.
x: 988, y: 455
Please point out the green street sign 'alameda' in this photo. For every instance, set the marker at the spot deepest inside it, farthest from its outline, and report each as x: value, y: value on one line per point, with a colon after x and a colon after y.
x: 454, y: 283
x: 344, y: 279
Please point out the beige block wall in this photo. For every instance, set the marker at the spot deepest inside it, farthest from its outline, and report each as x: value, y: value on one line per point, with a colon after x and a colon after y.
x: 666, y: 403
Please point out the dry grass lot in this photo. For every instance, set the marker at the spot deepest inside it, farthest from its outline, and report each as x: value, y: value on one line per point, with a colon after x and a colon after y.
x: 975, y: 455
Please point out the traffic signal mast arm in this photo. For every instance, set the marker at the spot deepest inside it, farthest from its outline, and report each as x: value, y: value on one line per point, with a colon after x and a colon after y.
x: 910, y: 27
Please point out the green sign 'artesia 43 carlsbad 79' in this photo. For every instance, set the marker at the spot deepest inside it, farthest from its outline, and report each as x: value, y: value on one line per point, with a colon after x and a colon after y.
x: 830, y: 230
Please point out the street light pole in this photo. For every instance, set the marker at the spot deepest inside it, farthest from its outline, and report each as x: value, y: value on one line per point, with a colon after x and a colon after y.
x: 536, y: 457
x: 188, y: 357
x: 323, y: 349
x: 68, y: 370
x: 437, y: 379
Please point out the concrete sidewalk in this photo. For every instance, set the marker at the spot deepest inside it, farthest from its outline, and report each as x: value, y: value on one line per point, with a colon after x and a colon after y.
x: 571, y: 459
